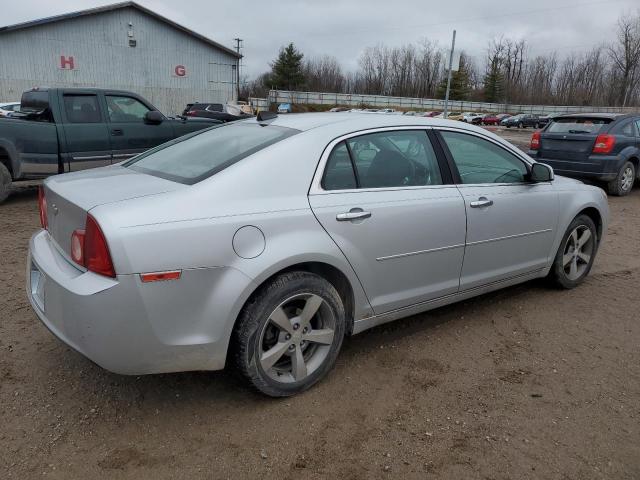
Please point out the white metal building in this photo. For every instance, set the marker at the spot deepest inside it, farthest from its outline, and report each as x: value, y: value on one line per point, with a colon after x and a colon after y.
x: 121, y: 46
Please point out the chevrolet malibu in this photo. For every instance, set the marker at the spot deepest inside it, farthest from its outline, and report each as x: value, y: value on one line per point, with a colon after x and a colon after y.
x: 263, y: 243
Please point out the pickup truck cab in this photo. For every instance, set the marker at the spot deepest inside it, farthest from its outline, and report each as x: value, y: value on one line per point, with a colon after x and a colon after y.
x: 62, y: 130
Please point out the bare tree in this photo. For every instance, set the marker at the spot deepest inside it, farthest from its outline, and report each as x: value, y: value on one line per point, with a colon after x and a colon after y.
x: 625, y: 54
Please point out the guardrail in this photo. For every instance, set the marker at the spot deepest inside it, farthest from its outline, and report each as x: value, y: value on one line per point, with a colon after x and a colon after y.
x: 356, y: 100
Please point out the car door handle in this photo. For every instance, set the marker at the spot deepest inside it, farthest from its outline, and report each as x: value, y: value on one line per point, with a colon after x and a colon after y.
x: 481, y: 202
x: 352, y: 215
x: 116, y: 132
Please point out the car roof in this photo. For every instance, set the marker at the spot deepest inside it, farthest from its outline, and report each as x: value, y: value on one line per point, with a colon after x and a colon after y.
x: 610, y: 116
x: 356, y: 120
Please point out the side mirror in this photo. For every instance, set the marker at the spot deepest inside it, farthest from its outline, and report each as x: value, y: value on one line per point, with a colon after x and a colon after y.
x: 153, y: 117
x: 541, y: 173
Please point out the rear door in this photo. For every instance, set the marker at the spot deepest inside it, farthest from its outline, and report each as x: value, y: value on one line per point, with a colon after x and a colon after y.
x: 570, y: 140
x: 129, y: 133
x: 390, y: 207
x: 511, y: 223
x: 85, y: 131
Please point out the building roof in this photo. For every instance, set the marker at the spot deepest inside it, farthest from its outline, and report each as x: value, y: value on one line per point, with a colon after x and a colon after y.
x: 110, y: 8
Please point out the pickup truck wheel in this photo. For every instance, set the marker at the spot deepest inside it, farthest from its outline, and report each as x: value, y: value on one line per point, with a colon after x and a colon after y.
x: 288, y: 336
x: 5, y: 183
x: 623, y: 183
x: 576, y: 253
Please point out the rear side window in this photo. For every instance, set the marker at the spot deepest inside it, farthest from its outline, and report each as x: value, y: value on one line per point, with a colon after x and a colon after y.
x: 192, y: 158
x: 82, y: 109
x: 339, y: 174
x: 577, y: 125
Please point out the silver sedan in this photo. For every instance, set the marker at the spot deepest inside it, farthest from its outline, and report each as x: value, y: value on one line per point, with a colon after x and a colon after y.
x: 261, y: 244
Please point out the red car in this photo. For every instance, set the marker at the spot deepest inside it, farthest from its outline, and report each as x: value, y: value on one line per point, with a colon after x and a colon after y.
x: 490, y: 119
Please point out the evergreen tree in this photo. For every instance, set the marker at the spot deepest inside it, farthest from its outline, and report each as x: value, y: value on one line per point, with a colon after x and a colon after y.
x: 286, y: 70
x: 460, y: 82
x: 493, y: 83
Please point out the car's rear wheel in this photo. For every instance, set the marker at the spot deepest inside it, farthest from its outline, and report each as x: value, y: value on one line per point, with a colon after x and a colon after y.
x: 5, y: 183
x: 289, y: 334
x: 520, y: 125
x: 576, y: 253
x: 623, y: 183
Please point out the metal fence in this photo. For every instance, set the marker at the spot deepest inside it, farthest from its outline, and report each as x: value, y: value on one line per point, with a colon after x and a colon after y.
x: 356, y: 100
x: 259, y: 104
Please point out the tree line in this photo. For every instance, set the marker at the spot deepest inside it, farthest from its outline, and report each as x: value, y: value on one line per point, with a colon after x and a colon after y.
x: 606, y: 75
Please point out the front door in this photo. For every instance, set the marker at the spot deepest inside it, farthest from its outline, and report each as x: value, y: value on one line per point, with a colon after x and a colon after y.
x: 394, y: 213
x: 511, y: 222
x: 130, y: 134
x: 86, y: 134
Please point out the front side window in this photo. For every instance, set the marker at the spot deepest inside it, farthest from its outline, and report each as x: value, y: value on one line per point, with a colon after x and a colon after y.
x: 82, y: 108
x: 192, y: 158
x: 125, y: 109
x: 481, y: 161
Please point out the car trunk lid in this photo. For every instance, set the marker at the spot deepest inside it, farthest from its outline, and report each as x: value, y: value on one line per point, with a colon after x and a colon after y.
x: 571, y: 138
x: 70, y: 197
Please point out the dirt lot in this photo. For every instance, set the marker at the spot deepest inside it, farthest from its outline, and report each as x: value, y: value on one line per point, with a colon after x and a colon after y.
x: 524, y: 383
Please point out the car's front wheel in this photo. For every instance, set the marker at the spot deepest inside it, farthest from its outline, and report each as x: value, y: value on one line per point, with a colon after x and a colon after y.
x: 623, y: 183
x: 289, y: 334
x: 576, y: 253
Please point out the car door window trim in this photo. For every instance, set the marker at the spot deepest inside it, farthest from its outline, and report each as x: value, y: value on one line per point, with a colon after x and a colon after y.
x: 316, y: 184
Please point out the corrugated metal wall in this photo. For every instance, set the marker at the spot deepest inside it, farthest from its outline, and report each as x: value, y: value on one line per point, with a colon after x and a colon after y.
x: 102, y: 57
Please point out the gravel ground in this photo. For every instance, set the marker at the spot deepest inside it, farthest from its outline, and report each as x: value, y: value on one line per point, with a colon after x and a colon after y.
x: 528, y: 382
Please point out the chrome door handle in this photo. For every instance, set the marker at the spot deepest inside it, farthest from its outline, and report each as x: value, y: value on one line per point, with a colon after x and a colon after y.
x: 357, y: 215
x: 481, y: 202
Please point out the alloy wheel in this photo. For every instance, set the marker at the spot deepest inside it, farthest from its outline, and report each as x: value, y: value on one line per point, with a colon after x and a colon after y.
x: 626, y: 182
x: 577, y: 252
x: 297, y: 338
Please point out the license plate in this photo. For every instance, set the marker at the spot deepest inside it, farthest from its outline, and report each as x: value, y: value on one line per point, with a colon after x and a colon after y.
x: 37, y: 286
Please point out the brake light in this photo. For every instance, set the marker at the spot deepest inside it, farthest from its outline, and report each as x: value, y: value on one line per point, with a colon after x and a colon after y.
x: 604, y: 143
x: 191, y: 113
x: 42, y: 206
x: 89, y: 248
x: 535, y: 141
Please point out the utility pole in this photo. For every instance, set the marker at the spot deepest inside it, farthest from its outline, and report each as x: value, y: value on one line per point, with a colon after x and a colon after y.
x: 446, y: 98
x: 238, y: 47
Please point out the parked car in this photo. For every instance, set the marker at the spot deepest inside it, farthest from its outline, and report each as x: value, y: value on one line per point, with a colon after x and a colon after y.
x: 284, y: 108
x: 67, y: 129
x: 596, y: 146
x: 502, y: 116
x: 544, y: 120
x: 472, y: 117
x: 490, y: 119
x: 264, y: 242
x: 521, y: 121
x: 215, y: 111
x: 8, y: 108
x: 339, y: 109
x: 411, y: 113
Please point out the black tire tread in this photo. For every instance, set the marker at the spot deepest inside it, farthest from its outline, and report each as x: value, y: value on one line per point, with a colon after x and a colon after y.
x: 556, y: 274
x: 614, y: 188
x: 5, y: 183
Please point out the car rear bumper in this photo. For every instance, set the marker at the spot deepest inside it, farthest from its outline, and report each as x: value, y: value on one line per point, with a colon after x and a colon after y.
x: 129, y: 327
x: 600, y: 167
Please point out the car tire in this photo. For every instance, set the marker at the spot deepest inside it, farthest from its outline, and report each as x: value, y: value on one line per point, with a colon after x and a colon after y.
x: 5, y: 183
x: 623, y: 183
x: 537, y: 126
x: 303, y: 350
x: 520, y: 125
x: 572, y: 265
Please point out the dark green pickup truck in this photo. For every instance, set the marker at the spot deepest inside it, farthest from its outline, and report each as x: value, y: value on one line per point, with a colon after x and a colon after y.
x: 67, y: 129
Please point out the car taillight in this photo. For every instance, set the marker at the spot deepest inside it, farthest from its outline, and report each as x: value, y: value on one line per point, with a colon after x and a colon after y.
x: 535, y: 141
x: 191, y: 113
x: 604, y: 143
x: 89, y: 248
x: 42, y: 206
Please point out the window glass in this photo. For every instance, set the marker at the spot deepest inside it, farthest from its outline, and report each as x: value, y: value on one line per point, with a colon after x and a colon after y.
x: 194, y: 157
x: 338, y: 174
x: 125, y: 109
x: 481, y: 161
x: 82, y: 108
x: 395, y: 159
x: 628, y: 130
x: 577, y: 125
x: 638, y: 127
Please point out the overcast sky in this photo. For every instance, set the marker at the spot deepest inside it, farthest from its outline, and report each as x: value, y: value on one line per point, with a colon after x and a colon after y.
x: 344, y: 28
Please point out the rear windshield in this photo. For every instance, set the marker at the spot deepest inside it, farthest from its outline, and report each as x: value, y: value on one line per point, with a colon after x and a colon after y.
x: 577, y: 125
x: 192, y: 158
